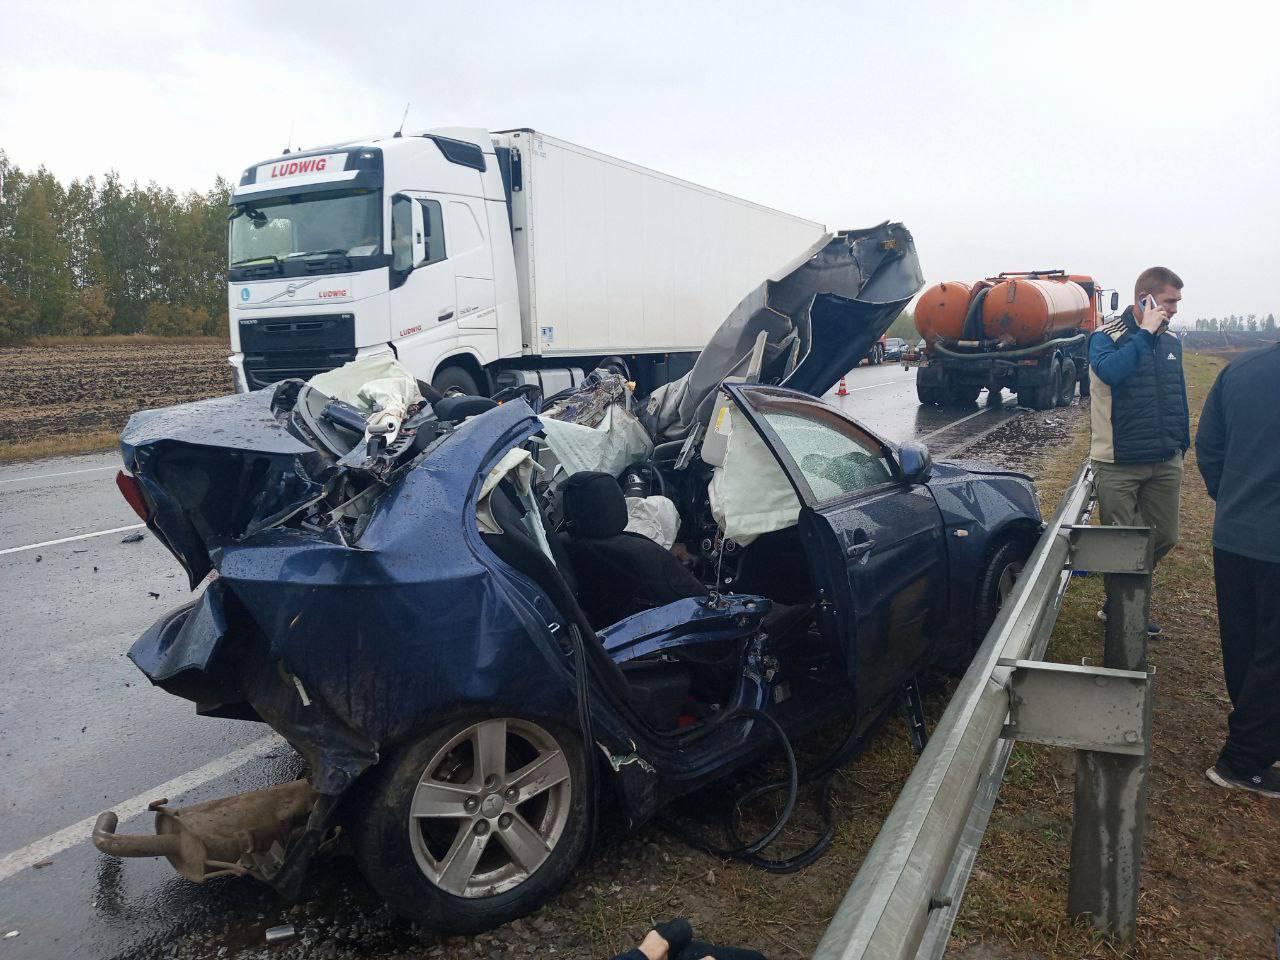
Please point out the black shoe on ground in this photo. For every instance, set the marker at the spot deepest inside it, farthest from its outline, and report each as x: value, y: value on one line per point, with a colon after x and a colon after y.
x: 1266, y: 783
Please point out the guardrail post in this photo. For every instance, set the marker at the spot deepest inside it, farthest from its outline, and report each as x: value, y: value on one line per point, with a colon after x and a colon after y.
x: 1111, y: 789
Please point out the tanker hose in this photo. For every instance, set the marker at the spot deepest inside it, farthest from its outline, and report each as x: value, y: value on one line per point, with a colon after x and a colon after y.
x: 1009, y: 354
x: 972, y: 329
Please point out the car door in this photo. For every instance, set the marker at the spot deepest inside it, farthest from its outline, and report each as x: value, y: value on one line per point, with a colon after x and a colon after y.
x: 875, y: 543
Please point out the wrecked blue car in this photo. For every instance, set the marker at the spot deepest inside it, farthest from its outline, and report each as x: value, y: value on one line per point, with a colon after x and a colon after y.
x: 487, y: 626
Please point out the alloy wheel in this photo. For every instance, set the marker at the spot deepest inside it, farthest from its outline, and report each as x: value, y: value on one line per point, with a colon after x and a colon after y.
x: 1008, y: 577
x: 490, y: 807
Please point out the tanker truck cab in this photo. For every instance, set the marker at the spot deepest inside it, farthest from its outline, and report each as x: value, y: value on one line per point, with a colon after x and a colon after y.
x: 400, y: 244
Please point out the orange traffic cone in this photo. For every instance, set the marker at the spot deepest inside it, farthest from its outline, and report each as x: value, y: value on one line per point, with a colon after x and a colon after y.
x: 843, y: 391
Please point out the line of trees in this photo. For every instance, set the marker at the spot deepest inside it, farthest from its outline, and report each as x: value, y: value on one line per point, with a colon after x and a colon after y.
x: 1233, y: 324
x: 101, y: 257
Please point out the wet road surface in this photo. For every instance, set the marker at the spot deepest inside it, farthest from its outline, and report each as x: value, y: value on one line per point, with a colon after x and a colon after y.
x: 82, y: 731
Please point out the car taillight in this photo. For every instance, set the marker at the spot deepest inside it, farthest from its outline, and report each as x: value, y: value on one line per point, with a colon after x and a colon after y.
x: 132, y: 490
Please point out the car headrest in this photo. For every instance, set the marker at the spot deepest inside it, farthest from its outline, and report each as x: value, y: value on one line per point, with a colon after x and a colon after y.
x: 593, y: 506
x: 452, y: 409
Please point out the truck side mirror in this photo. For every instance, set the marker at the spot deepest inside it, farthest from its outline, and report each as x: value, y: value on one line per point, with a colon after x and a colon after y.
x: 419, y: 235
x: 403, y: 232
x: 1115, y: 300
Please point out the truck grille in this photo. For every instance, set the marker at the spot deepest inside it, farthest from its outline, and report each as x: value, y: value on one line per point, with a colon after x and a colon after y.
x: 279, y: 348
x: 264, y: 369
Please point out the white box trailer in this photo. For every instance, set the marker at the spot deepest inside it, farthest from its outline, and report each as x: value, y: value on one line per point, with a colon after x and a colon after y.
x: 614, y: 257
x: 484, y: 258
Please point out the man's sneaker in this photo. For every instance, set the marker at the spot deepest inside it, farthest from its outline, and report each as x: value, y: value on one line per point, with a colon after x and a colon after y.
x: 1153, y: 628
x: 1266, y: 783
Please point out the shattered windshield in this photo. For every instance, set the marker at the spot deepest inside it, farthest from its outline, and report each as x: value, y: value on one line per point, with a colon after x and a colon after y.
x: 298, y: 226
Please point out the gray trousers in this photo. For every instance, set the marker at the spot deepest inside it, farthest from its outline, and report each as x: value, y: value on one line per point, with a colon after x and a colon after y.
x: 1142, y: 495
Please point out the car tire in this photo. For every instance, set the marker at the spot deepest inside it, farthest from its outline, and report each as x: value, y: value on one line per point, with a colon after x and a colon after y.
x: 1000, y: 572
x: 455, y: 378
x: 416, y: 825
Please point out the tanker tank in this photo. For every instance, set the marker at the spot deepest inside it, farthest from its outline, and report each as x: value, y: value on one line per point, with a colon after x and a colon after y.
x: 1024, y: 332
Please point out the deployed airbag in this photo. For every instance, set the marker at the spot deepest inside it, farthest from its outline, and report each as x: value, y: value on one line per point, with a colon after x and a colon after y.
x: 618, y: 440
x: 749, y: 493
x: 378, y: 386
x: 654, y: 517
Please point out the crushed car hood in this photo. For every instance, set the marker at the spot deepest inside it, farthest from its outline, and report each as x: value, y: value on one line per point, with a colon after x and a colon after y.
x: 820, y: 316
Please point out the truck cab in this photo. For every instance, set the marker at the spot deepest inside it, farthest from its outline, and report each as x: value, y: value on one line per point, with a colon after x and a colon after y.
x: 400, y: 244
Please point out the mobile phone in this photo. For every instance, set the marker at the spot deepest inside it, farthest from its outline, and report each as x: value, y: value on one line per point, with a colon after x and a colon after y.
x: 1148, y: 302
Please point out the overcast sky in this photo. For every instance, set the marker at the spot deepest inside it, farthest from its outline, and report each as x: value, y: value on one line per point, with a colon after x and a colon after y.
x: 1099, y: 137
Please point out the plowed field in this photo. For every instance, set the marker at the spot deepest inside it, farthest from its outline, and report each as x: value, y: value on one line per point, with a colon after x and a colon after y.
x: 65, y: 390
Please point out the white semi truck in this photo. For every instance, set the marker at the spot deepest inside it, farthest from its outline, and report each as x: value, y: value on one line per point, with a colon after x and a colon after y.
x: 484, y: 260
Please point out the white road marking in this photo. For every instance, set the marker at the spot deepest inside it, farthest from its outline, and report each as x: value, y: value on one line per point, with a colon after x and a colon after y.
x: 81, y: 536
x: 82, y: 831
x: 871, y: 386
x: 65, y: 473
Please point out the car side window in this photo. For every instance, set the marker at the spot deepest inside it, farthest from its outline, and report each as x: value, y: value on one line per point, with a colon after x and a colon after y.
x: 833, y: 455
x: 433, y: 226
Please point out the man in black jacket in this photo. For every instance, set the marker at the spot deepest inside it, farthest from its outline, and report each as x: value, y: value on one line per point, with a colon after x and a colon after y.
x: 1238, y: 452
x: 1138, y: 412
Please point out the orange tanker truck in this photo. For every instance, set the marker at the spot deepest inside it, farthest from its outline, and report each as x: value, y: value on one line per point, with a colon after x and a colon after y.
x: 1026, y: 332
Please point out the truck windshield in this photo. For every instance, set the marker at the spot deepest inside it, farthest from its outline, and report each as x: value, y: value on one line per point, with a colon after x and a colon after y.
x: 299, y: 227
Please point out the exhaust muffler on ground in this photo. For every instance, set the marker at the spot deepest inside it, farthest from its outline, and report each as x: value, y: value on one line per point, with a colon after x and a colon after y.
x: 243, y: 835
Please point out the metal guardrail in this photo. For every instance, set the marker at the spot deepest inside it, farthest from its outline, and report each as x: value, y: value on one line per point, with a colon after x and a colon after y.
x: 905, y: 898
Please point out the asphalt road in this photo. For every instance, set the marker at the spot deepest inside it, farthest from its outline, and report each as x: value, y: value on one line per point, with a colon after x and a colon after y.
x: 81, y: 730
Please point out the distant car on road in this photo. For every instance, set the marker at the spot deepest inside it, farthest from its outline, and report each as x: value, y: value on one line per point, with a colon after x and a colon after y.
x: 894, y: 348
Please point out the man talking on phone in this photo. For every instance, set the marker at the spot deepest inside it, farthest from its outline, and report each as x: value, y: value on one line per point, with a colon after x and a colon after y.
x: 1138, y: 410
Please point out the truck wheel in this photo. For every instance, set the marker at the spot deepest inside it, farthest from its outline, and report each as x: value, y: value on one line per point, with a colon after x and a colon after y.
x: 1084, y: 382
x: 455, y: 378
x: 616, y: 365
x: 927, y: 395
x: 1068, y: 383
x: 1045, y: 396
x: 475, y: 824
x: 999, y: 574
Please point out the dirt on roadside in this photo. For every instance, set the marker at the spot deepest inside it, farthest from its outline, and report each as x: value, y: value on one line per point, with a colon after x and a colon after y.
x: 69, y: 397
x: 1209, y: 884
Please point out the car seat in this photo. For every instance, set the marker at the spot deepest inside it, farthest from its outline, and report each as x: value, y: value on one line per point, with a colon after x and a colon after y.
x: 618, y: 573
x: 656, y: 691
